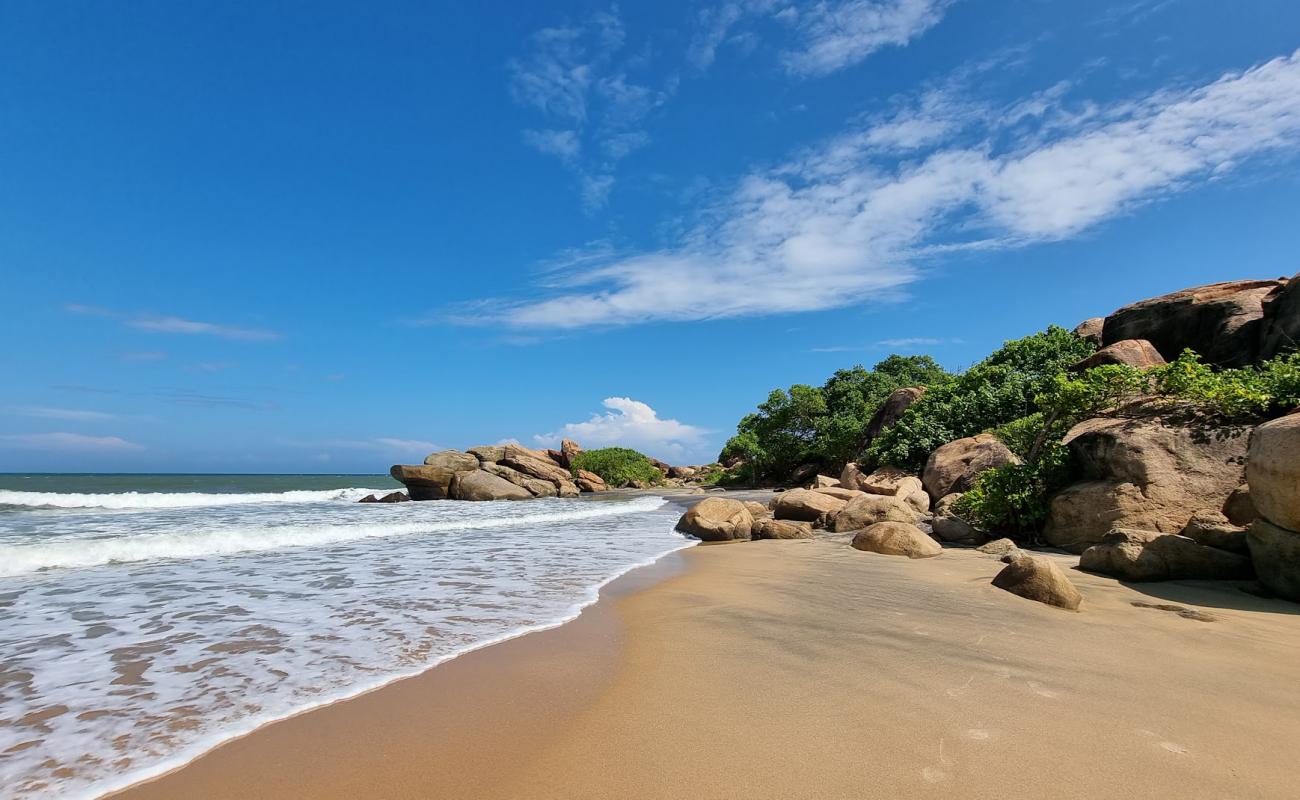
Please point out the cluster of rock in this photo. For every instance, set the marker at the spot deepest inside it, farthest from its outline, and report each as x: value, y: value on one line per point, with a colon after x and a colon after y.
x: 498, y: 472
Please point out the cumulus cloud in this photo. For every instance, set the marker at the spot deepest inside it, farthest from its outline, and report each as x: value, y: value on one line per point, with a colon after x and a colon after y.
x: 68, y: 442
x: 631, y: 423
x: 841, y: 223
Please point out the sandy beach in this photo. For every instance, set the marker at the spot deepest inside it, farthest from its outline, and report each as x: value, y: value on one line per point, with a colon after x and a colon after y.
x: 808, y: 669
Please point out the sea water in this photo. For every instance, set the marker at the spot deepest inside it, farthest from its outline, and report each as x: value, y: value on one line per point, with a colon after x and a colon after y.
x: 144, y: 619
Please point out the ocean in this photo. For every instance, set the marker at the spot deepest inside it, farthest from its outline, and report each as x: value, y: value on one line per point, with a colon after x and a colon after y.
x: 146, y: 618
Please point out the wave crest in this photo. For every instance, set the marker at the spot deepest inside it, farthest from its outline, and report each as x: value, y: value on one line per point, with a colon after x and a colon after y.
x: 154, y: 500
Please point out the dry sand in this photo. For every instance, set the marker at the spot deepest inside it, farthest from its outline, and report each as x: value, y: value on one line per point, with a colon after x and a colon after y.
x: 806, y: 669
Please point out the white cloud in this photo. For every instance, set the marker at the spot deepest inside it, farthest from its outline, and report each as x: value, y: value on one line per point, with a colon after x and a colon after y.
x: 189, y: 327
x: 563, y: 144
x: 834, y: 35
x: 144, y: 355
x: 74, y: 414
x: 63, y: 441
x: 840, y: 224
x: 631, y: 423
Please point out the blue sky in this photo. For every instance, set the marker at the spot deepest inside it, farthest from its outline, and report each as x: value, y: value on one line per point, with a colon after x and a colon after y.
x: 298, y: 236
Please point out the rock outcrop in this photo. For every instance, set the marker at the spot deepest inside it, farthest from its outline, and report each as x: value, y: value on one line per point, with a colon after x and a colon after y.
x: 896, y: 539
x: 717, y: 519
x: 1090, y: 329
x: 1143, y: 473
x: 1280, y: 332
x: 806, y: 505
x: 483, y: 485
x: 889, y: 412
x: 452, y: 461
x: 768, y: 528
x: 590, y: 482
x: 1223, y: 322
x: 840, y: 493
x: 1212, y: 529
x: 569, y: 450
x: 1134, y: 352
x: 425, y: 482
x: 1039, y: 579
x: 1138, y: 555
x: 1239, y: 508
x: 1273, y: 472
x: 950, y: 527
x: 955, y: 465
x: 870, y: 509
x: 825, y: 482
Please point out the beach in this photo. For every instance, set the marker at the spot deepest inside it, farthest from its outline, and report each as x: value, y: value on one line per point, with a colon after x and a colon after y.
x: 781, y: 669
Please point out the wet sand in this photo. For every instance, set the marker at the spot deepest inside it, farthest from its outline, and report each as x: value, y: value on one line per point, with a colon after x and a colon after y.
x: 806, y: 669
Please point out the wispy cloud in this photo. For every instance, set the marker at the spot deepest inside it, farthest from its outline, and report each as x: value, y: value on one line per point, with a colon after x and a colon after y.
x: 144, y: 355
x: 74, y: 414
x: 155, y: 323
x: 916, y: 341
x: 68, y: 442
x: 835, y: 35
x: 631, y: 423
x: 840, y: 223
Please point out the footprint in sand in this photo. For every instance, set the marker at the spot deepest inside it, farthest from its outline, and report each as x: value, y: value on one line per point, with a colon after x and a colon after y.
x: 978, y: 735
x: 934, y: 775
x: 1175, y: 748
x: 1039, y: 690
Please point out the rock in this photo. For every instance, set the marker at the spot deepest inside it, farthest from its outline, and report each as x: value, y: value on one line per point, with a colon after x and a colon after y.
x: 557, y: 457
x: 803, y: 474
x: 590, y: 482
x: 1212, y: 529
x: 531, y: 462
x: 955, y: 465
x: 662, y: 466
x: 717, y: 519
x: 1273, y: 471
x: 999, y: 548
x: 1280, y: 332
x: 1239, y: 508
x: 896, y: 539
x: 825, y: 482
x: 569, y: 450
x: 1138, y: 555
x: 453, y: 460
x: 394, y: 497
x: 685, y: 473
x: 1134, y: 352
x: 911, y: 491
x: 1276, y: 554
x: 768, y: 528
x: 1038, y: 579
x: 483, y: 485
x: 842, y: 494
x: 1090, y: 330
x: 889, y: 412
x: 807, y: 506
x: 425, y: 482
x: 488, y: 453
x: 757, y: 510
x: 950, y: 527
x: 1223, y: 322
x: 535, y: 486
x: 370, y: 498
x: 1143, y: 473
x: 852, y: 477
x: 869, y: 509
x: 885, y: 480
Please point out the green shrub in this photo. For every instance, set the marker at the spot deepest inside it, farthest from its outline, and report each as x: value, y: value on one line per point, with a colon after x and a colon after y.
x: 617, y: 466
x: 1013, y: 499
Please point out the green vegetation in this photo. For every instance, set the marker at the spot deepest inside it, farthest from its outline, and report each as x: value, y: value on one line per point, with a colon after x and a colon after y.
x: 822, y: 425
x: 617, y: 466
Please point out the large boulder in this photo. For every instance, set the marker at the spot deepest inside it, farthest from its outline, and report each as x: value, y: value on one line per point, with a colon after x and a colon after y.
x: 1223, y: 322
x: 483, y: 485
x: 569, y: 450
x: 1090, y: 329
x: 768, y: 528
x: 1145, y: 473
x: 950, y: 527
x: 425, y: 482
x: 955, y: 465
x: 1212, y: 529
x: 590, y: 482
x: 852, y: 477
x: 825, y: 482
x: 453, y: 460
x: 869, y: 509
x: 534, y: 463
x: 889, y: 412
x: 1276, y: 554
x: 488, y: 452
x: 843, y: 494
x: 896, y: 539
x: 1137, y: 555
x: 1038, y: 579
x: 1280, y: 332
x: 807, y: 506
x: 1239, y: 508
x: 535, y: 486
x: 1134, y: 352
x: 1273, y: 471
x: 885, y: 480
x: 717, y: 519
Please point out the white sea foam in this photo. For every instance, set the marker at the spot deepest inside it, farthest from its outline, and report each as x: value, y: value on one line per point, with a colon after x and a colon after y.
x: 152, y: 500
x: 135, y: 642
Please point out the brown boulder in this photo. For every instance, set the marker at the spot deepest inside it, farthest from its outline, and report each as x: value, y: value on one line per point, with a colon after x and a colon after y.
x: 1134, y: 352
x: 1212, y: 529
x: 825, y: 482
x: 843, y: 494
x: 662, y: 466
x: 1090, y: 330
x: 807, y: 506
x: 1223, y: 322
x: 531, y: 462
x: 1239, y: 508
x: 890, y: 411
x: 482, y: 485
x: 424, y: 482
x: 1273, y: 471
x: 768, y: 528
x: 950, y: 527
x: 1038, y: 579
x: 569, y: 450
x: 453, y: 460
x: 717, y: 519
x: 999, y: 548
x: 590, y: 482
x: 567, y: 488
x: 684, y: 473
x: 955, y: 465
x: 1137, y: 555
x: 896, y: 539
x: 757, y: 510
x: 852, y: 476
x: 1276, y: 554
x: 535, y: 486
x: 885, y: 480
x: 391, y: 497
x: 488, y: 453
x: 869, y: 509
x: 1280, y: 332
x: 1144, y: 473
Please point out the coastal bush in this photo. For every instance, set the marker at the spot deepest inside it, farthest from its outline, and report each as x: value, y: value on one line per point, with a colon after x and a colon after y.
x: 617, y: 466
x: 822, y: 425
x: 995, y: 392
x: 1012, y: 499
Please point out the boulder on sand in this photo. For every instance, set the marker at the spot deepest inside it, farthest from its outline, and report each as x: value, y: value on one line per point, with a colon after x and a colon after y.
x: 825, y: 482
x: 768, y: 528
x: 717, y: 519
x: 1273, y: 472
x: 757, y: 510
x: 870, y: 509
x: 807, y: 506
x: 954, y: 466
x: 885, y: 480
x: 1212, y: 529
x: 896, y: 539
x: 950, y: 527
x: 843, y: 494
x: 999, y: 548
x: 1239, y: 508
x: 1137, y: 555
x: 483, y: 485
x: 1039, y: 579
x: 1133, y: 352
x: 1276, y: 555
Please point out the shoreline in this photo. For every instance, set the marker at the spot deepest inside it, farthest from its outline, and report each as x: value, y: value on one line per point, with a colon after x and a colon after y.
x: 807, y: 669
